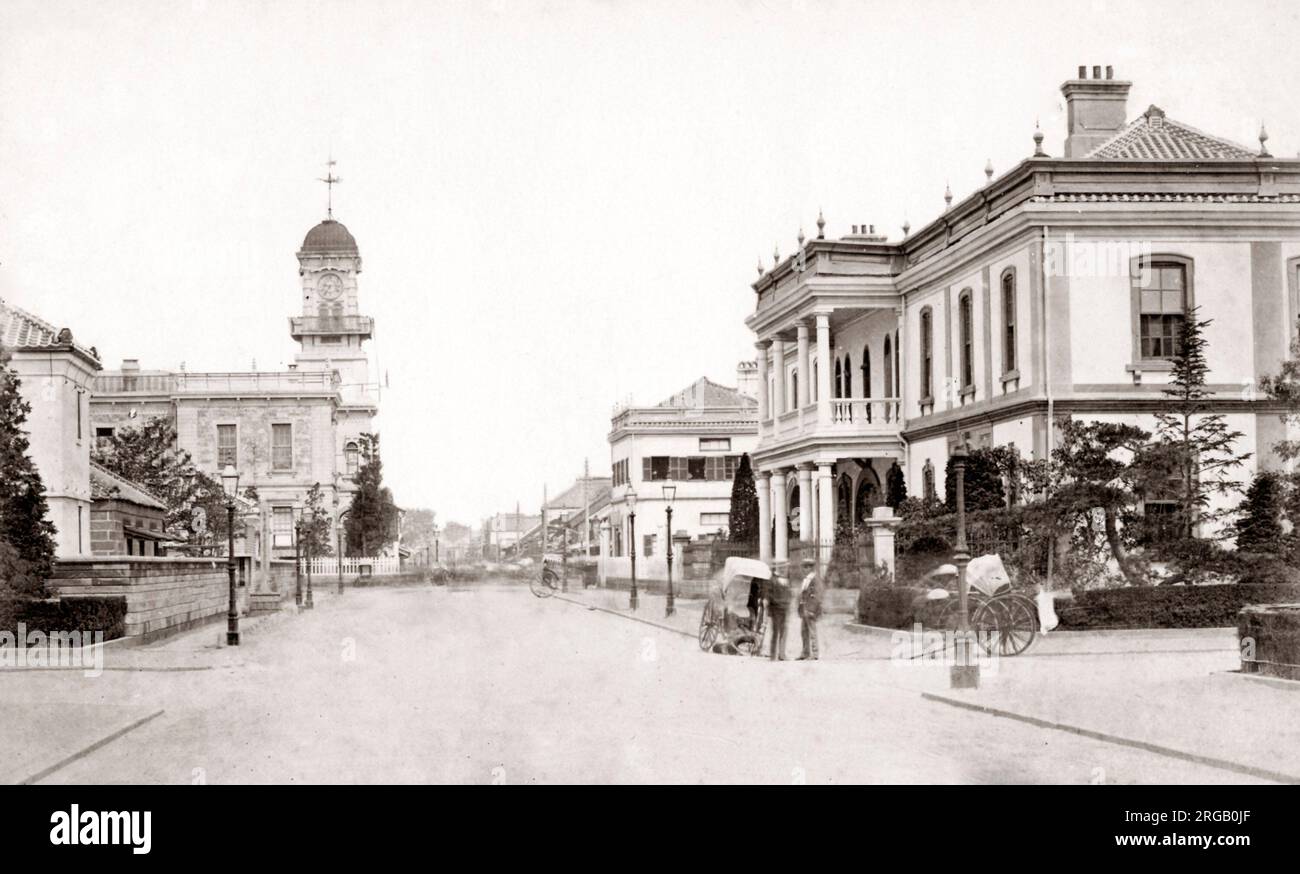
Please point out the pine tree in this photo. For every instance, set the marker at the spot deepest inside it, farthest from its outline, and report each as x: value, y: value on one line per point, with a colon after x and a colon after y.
x: 372, y: 519
x: 1260, y: 527
x: 27, y: 535
x: 1284, y: 386
x: 743, y: 520
x: 982, y: 486
x: 895, y: 487
x: 1192, y: 447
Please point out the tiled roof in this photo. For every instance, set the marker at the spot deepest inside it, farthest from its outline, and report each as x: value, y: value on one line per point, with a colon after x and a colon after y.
x: 20, y: 329
x: 1154, y: 137
x: 108, y: 486
x: 572, y: 496
x: 704, y: 392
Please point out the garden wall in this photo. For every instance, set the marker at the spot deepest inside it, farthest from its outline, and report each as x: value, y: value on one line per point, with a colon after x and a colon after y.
x: 1270, y: 640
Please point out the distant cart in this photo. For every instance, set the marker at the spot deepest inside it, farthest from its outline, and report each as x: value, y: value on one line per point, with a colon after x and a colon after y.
x: 735, y: 616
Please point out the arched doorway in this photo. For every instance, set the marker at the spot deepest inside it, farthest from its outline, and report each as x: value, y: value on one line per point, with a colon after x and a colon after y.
x: 869, y: 495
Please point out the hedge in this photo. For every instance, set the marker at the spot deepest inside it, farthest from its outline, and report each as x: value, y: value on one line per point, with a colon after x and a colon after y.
x: 83, y: 614
x: 1212, y: 606
x: 887, y: 606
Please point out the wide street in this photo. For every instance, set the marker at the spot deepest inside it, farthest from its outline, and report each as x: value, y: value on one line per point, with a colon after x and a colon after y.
x: 487, y: 684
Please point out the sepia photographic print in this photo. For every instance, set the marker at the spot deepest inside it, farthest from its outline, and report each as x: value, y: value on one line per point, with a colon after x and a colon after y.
x: 771, y: 392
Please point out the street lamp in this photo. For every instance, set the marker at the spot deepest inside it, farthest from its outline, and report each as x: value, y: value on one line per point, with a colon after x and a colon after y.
x: 230, y: 483
x: 670, y: 492
x: 338, y: 537
x: 630, y: 498
x: 965, y: 672
x: 297, y: 554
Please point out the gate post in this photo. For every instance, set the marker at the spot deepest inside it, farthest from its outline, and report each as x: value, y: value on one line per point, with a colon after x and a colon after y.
x: 883, y: 522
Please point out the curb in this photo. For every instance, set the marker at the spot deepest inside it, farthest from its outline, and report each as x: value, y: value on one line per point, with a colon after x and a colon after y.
x: 1119, y: 740
x: 624, y: 615
x: 82, y: 753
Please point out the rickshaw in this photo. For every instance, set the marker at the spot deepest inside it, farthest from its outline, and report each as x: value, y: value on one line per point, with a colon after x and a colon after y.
x: 1001, y: 618
x: 734, y: 617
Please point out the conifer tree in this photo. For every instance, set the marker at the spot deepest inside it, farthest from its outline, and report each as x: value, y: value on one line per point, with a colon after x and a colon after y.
x: 743, y: 519
x: 1259, y: 529
x: 26, y: 533
x: 372, y: 519
x: 895, y: 487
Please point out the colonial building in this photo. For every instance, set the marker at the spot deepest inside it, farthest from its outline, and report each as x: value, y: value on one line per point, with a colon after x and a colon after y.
x: 284, y: 431
x: 125, y: 519
x: 56, y: 374
x: 1054, y: 291
x: 693, y: 441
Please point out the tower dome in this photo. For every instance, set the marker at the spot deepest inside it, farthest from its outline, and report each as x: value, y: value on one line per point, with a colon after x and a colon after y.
x: 330, y: 236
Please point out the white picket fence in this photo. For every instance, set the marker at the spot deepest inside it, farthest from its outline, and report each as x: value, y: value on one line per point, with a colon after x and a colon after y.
x: 329, y: 566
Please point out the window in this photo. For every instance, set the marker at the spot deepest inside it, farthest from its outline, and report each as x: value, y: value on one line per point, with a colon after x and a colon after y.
x: 657, y: 467
x: 695, y: 468
x: 620, y: 473
x: 103, y: 436
x: 898, y: 371
x: 226, y: 451
x: 282, y: 526
x: 848, y: 377
x: 1008, y: 320
x: 839, y: 379
x: 927, y: 354
x: 866, y: 369
x: 794, y: 389
x: 715, y: 520
x: 1160, y: 289
x: 282, y: 447
x: 80, y: 424
x: 352, y: 458
x: 889, y: 368
x: 715, y: 444
x: 967, y: 327
x: 648, y: 545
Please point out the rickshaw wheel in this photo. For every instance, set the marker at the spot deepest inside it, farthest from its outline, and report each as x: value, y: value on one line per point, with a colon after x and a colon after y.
x: 708, y: 628
x: 1018, y: 626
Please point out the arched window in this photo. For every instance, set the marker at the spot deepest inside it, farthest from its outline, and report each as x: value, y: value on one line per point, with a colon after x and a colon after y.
x: 848, y: 377
x: 351, y: 456
x: 866, y: 371
x: 898, y: 369
x: 794, y: 389
x: 967, y: 327
x: 839, y: 379
x: 927, y: 354
x: 889, y: 368
x: 812, y: 382
x: 1008, y: 320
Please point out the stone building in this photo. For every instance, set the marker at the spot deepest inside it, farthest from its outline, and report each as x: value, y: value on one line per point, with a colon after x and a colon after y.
x: 284, y: 431
x: 692, y: 440
x: 56, y: 374
x: 1054, y: 291
x: 125, y: 519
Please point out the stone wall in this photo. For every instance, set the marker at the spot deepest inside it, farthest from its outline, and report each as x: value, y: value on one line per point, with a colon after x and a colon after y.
x: 163, y: 595
x: 1269, y: 635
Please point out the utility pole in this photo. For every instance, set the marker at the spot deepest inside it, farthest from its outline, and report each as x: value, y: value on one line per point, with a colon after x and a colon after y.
x: 586, y: 510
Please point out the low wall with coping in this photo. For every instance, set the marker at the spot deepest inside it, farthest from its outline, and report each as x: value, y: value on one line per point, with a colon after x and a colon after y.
x: 1269, y: 638
x: 163, y: 595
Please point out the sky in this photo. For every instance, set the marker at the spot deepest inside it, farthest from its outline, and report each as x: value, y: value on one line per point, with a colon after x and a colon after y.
x: 559, y: 205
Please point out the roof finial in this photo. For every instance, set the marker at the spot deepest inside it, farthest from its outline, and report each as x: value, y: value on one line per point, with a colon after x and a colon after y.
x: 1038, y: 141
x: 1263, y: 138
x: 947, y: 196
x: 776, y: 254
x: 330, y: 180
x: 760, y: 265
x: 988, y: 170
x: 821, y: 224
x: 801, y: 237
x: 907, y: 227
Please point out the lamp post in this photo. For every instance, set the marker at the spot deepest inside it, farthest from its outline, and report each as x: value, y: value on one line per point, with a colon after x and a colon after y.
x: 670, y: 492
x: 297, y: 555
x: 306, y: 549
x: 965, y: 671
x: 631, y: 536
x: 338, y: 548
x: 230, y: 484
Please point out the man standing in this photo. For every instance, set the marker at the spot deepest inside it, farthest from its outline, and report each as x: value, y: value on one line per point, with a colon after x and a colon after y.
x: 779, y: 608
x: 810, y: 609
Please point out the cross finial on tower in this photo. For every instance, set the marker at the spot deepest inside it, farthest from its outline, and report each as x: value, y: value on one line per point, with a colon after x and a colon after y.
x: 330, y: 181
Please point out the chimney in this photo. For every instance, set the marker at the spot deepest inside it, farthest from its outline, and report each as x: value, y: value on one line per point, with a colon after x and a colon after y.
x: 747, y: 378
x: 130, y: 365
x: 1097, y: 109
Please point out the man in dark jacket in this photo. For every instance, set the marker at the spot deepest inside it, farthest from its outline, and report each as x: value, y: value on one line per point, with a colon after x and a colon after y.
x: 779, y: 598
x: 810, y: 608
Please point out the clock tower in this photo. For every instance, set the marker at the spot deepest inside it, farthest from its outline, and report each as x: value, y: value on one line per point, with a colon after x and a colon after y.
x: 331, y: 330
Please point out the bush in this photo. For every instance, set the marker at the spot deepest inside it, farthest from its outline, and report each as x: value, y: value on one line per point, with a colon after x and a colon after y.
x: 1166, y: 606
x: 81, y: 614
x: 887, y: 606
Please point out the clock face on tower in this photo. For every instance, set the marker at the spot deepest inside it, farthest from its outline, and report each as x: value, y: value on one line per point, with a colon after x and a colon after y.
x: 330, y: 287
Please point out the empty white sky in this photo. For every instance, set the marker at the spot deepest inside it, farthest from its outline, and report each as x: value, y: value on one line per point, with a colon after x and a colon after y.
x: 559, y: 205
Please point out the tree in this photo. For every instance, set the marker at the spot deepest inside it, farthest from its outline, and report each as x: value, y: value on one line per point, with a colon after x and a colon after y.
x: 743, y: 518
x: 419, y: 528
x: 372, y: 519
x: 982, y: 485
x: 26, y: 533
x: 316, y: 528
x: 1259, y: 528
x: 1193, y: 448
x: 1284, y: 386
x: 895, y: 487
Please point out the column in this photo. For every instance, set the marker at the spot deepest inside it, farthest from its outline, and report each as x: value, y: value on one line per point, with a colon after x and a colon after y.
x: 604, y: 552
x: 781, y: 550
x: 778, y: 374
x: 762, y: 482
x: 883, y: 523
x: 902, y: 355
x: 825, y: 512
x: 764, y: 405
x: 804, y: 364
x: 824, y: 369
x: 806, y: 503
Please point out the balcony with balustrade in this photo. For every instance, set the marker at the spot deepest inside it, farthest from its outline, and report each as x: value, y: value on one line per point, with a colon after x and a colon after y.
x: 142, y: 385
x: 305, y: 326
